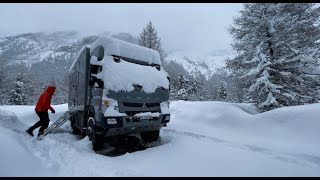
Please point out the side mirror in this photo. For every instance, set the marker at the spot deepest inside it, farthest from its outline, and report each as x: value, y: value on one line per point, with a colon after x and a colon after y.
x: 93, y: 80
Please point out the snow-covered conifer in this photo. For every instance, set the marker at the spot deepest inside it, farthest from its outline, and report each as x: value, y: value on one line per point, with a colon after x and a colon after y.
x: 278, y: 52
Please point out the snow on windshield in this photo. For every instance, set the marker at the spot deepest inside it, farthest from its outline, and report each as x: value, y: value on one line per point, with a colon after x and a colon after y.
x: 123, y: 75
x: 121, y: 48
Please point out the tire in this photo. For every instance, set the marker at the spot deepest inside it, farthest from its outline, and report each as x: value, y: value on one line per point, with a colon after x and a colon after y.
x: 75, y: 130
x: 150, y: 136
x: 116, y: 138
x: 97, y: 139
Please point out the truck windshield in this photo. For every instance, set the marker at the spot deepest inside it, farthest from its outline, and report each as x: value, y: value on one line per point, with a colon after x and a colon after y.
x: 135, y: 61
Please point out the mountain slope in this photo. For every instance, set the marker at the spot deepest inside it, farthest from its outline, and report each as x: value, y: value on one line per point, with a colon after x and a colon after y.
x: 48, y: 56
x: 206, y: 64
x: 57, y: 50
x: 30, y: 48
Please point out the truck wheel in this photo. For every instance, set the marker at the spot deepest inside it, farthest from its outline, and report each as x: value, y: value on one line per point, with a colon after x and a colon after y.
x: 149, y: 136
x: 97, y: 139
x: 75, y: 130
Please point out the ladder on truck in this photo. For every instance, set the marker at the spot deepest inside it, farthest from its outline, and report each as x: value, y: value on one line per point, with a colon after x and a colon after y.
x: 58, y: 123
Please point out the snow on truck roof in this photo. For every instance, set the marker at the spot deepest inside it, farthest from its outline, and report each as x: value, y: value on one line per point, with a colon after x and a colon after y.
x: 123, y: 75
x: 118, y: 47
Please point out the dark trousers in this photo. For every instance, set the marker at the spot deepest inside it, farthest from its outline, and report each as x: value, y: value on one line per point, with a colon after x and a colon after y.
x: 44, y: 122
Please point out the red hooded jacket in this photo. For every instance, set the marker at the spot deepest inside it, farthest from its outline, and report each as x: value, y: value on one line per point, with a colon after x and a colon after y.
x: 44, y: 100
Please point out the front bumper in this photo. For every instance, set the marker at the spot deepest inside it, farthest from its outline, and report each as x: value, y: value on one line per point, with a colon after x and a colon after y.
x: 132, y: 124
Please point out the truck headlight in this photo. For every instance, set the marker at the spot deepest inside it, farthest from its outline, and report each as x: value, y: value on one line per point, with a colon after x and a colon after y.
x: 112, y: 121
x: 106, y: 102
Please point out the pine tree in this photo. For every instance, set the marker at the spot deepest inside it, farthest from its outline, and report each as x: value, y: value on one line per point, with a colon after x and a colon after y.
x: 61, y: 93
x: 201, y: 92
x: 193, y: 91
x: 64, y: 88
x: 173, y: 88
x: 3, y: 90
x: 189, y: 89
x: 183, y: 88
x: 237, y: 90
x: 149, y: 38
x: 222, y: 93
x: 30, y: 85
x: 278, y: 49
x: 17, y: 96
x: 174, y: 70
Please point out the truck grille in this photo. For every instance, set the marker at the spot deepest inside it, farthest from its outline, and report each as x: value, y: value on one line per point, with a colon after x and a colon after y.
x: 131, y: 104
x: 132, y: 113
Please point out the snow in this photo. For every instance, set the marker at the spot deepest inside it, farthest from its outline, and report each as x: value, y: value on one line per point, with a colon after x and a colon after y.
x: 202, y: 139
x: 121, y: 48
x: 123, y: 75
x: 271, y: 100
x: 2, y: 39
x: 94, y: 61
x: 31, y: 44
x: 205, y: 63
x: 110, y: 111
x: 164, y: 106
x: 18, y: 159
x: 148, y: 114
x: 272, y: 23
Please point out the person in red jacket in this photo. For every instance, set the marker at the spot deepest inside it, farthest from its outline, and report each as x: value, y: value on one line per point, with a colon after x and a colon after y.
x: 42, y: 107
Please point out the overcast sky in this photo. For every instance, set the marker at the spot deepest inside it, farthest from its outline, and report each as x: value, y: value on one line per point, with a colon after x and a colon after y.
x: 188, y: 26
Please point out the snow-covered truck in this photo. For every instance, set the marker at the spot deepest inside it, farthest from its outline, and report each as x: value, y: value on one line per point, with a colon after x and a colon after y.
x: 117, y: 88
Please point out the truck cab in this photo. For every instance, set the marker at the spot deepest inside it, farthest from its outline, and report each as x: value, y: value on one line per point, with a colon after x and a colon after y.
x: 118, y: 88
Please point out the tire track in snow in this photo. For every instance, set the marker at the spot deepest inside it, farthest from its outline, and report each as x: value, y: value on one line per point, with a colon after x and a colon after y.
x: 62, y: 151
x: 296, y: 158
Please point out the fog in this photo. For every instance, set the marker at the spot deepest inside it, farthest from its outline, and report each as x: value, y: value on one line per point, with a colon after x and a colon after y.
x: 182, y: 26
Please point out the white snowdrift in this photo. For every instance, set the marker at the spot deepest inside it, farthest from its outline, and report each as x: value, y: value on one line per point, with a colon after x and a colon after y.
x: 202, y: 139
x: 296, y: 126
x: 16, y: 159
x: 9, y: 120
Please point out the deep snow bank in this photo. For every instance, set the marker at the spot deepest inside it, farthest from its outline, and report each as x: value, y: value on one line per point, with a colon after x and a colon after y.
x: 202, y: 139
x: 15, y: 157
x: 296, y: 126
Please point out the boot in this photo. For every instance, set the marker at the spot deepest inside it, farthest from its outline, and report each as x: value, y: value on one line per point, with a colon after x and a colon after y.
x: 29, y: 131
x: 40, y: 133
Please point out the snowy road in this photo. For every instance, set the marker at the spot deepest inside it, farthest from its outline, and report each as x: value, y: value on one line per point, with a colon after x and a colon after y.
x: 202, y: 139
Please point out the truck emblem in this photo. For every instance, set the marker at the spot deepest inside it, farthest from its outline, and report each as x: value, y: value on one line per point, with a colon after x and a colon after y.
x: 144, y: 105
